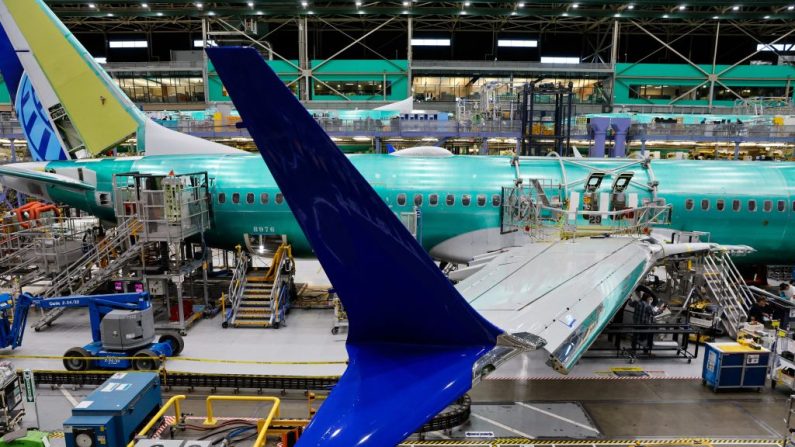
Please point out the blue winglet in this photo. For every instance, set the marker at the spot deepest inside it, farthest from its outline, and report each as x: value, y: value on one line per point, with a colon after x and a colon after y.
x: 10, y: 67
x: 413, y: 340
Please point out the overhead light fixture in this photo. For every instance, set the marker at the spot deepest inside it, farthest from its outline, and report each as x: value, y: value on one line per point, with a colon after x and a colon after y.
x: 467, y: 4
x: 616, y: 15
x: 513, y: 13
x: 665, y: 16
x: 259, y: 13
x: 735, y: 8
x: 715, y: 18
x: 406, y: 3
x: 565, y: 14
x: 110, y: 14
x: 520, y: 4
x: 767, y: 17
x: 630, y: 7
x: 517, y: 43
x: 790, y: 7
x: 682, y: 7
x: 463, y: 13
x: 575, y: 5
x: 304, y: 4
x: 92, y: 6
x: 250, y: 4
x: 358, y: 3
x: 430, y: 42
x: 144, y: 5
x: 211, y: 13
x: 160, y: 14
x: 200, y: 5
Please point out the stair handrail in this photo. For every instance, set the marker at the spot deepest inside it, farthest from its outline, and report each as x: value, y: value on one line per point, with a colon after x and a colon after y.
x: 237, y: 285
x: 283, y: 255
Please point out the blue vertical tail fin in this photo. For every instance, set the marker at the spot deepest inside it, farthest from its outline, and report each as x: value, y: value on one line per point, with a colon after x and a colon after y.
x: 413, y: 340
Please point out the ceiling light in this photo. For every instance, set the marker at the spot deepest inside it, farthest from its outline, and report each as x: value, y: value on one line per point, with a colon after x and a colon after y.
x: 463, y: 13
x: 109, y: 14
x: 575, y: 5
x: 91, y: 5
x: 259, y: 13
x: 520, y: 4
x: 630, y: 7
x: 682, y: 7
x: 665, y: 16
x: 767, y: 17
x: 467, y: 3
x: 790, y: 7
x: 565, y: 14
x: 513, y: 13
x: 358, y: 3
x: 735, y: 8
x: 160, y: 14
x: 715, y: 17
x: 361, y: 12
x: 304, y: 4
x: 200, y: 5
x: 406, y: 3
x: 211, y: 13
x: 616, y: 15
x: 250, y: 4
x: 144, y: 5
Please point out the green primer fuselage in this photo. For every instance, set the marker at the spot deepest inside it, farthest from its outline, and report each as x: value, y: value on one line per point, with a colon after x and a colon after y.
x: 458, y: 231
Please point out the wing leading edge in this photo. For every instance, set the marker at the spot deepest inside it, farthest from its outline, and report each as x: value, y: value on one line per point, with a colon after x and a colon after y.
x: 413, y: 341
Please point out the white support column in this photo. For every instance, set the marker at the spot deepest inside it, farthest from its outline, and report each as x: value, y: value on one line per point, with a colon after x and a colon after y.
x: 303, y: 58
x: 409, y: 56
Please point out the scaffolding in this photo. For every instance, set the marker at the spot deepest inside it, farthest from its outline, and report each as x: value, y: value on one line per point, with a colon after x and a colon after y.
x: 173, y: 212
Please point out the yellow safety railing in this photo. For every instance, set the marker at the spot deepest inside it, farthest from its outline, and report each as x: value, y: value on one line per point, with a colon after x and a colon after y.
x: 173, y: 402
x: 262, y: 425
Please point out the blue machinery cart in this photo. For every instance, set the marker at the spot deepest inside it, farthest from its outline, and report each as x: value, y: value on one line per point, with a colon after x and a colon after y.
x: 735, y: 366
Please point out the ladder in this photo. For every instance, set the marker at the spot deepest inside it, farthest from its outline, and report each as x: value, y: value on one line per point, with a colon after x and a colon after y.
x: 94, y: 268
x: 728, y: 289
x: 262, y: 301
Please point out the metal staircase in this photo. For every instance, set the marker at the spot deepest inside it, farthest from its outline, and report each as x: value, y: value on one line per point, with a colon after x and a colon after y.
x: 261, y: 301
x: 727, y: 288
x: 95, y: 267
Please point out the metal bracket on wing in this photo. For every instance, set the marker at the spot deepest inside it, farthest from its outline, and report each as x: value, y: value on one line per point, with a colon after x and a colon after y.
x: 508, y: 346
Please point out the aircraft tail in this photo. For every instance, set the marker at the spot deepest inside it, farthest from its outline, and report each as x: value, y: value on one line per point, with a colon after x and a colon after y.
x: 414, y: 342
x: 89, y: 111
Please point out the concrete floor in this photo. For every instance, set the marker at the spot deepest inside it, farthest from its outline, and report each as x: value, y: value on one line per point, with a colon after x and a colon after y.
x: 523, y: 397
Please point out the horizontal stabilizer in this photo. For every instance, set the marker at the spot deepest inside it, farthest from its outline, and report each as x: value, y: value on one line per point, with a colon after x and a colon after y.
x: 413, y: 340
x: 28, y: 178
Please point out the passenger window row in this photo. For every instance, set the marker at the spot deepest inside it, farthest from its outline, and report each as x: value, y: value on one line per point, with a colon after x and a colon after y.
x: 737, y: 205
x: 450, y: 199
x: 264, y: 198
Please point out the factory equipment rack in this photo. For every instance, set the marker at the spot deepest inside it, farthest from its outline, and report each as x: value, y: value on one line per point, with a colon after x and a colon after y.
x: 173, y: 212
x: 340, y: 316
x: 782, y: 362
x: 679, y: 347
x: 532, y: 133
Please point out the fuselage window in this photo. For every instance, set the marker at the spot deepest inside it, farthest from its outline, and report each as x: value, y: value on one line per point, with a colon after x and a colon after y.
x: 279, y: 198
x: 720, y: 205
x: 401, y: 199
x: 705, y: 204
x: 767, y: 206
x: 263, y: 198
x: 450, y: 200
x: 481, y: 199
x: 433, y: 199
x: 752, y: 205
x: 689, y: 204
x: 466, y: 199
x: 222, y: 198
x: 236, y: 198
x: 782, y: 206
x: 250, y: 198
x: 496, y: 200
x: 418, y: 200
x: 736, y: 206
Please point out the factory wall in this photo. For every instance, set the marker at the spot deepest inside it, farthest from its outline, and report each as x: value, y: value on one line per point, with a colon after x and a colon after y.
x: 359, y: 79
x: 662, y: 83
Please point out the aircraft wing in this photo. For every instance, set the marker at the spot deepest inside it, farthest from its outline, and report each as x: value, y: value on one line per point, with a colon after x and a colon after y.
x: 565, y: 292
x: 35, y: 182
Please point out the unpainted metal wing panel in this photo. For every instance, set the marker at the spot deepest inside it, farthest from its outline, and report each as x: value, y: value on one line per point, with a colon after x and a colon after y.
x: 565, y: 292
